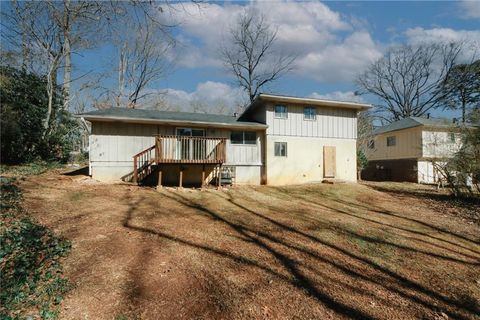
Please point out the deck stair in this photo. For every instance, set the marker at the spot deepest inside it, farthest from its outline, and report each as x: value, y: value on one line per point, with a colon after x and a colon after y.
x: 180, y: 150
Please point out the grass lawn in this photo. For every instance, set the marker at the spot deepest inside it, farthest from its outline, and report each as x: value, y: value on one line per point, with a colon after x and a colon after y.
x: 304, y: 252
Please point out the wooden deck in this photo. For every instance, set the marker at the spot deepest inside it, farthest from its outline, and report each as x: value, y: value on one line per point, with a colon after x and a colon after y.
x: 171, y: 149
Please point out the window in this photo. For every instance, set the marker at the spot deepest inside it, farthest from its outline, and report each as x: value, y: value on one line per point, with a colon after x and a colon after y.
x: 281, y: 112
x: 280, y: 149
x: 243, y: 137
x: 236, y: 137
x: 309, y: 113
x: 391, y: 141
x: 452, y: 137
x: 371, y: 144
x: 250, y: 137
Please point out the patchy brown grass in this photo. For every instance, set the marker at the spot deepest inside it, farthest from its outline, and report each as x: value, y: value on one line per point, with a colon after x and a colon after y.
x: 310, y: 252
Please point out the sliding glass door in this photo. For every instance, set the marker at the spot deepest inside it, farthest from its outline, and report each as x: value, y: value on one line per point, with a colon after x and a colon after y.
x: 191, y: 149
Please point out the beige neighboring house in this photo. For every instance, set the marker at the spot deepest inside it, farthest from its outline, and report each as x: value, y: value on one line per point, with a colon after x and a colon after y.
x: 278, y: 140
x: 407, y: 150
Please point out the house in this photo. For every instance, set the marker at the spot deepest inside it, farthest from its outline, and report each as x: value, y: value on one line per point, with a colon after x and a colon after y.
x: 277, y: 140
x: 407, y: 149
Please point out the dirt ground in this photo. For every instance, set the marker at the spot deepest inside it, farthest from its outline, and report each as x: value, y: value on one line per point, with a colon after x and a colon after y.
x: 298, y: 252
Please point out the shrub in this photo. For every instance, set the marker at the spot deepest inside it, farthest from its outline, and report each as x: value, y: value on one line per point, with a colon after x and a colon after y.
x: 30, y: 269
x: 23, y: 111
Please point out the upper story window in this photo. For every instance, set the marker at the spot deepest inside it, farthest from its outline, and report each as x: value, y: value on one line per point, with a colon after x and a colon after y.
x: 391, y: 141
x: 281, y: 112
x: 371, y: 144
x: 309, y: 113
x: 243, y: 137
x: 280, y: 149
x: 452, y: 137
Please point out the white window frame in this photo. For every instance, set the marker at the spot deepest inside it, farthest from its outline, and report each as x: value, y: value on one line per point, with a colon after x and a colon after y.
x: 394, y: 141
x: 275, y: 149
x: 243, y: 139
x: 284, y: 115
x: 314, y: 114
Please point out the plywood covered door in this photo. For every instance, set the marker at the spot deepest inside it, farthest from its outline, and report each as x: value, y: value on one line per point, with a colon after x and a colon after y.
x: 329, y: 162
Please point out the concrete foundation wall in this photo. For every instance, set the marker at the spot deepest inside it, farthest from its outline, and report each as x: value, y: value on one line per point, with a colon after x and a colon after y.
x: 247, y: 175
x: 304, y: 161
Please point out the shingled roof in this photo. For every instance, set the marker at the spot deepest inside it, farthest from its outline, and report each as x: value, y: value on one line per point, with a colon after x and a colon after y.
x: 412, y: 122
x: 157, y: 116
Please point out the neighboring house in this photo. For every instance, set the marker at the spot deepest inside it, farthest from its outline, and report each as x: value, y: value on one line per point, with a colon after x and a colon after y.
x: 407, y: 149
x: 277, y: 140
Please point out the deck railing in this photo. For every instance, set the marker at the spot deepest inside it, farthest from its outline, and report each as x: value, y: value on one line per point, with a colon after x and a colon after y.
x: 142, y: 162
x: 178, y: 149
x: 185, y: 149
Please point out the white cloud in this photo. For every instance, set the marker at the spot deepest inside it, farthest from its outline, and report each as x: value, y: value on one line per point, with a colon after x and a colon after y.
x: 469, y: 9
x: 419, y: 35
x: 470, y: 39
x: 209, y: 97
x: 341, y: 61
x: 347, y: 96
x: 327, y: 47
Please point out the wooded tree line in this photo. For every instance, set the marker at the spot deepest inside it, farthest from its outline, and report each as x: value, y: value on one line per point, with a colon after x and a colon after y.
x: 39, y: 39
x: 417, y: 80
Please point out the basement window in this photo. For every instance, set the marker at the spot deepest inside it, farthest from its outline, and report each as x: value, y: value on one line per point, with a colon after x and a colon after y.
x: 452, y: 137
x: 280, y: 149
x: 391, y: 141
x: 243, y: 137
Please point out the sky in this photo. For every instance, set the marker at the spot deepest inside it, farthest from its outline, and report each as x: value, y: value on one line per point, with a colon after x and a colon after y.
x: 334, y: 41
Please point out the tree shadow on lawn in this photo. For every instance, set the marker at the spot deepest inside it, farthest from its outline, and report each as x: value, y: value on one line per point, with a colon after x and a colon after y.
x: 401, y: 280
x: 297, y: 268
x: 355, y: 206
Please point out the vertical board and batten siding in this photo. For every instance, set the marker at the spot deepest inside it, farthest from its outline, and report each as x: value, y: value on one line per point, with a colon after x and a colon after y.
x: 118, y: 142
x: 113, y: 145
x: 329, y: 123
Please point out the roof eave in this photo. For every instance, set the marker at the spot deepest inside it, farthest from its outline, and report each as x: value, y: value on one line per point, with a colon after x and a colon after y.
x: 91, y: 118
x: 310, y: 101
x: 316, y: 102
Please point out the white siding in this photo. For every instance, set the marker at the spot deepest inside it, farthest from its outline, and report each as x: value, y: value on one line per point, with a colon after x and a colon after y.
x: 304, y: 160
x: 329, y: 123
x: 113, y: 145
x: 437, y: 144
x: 244, y: 154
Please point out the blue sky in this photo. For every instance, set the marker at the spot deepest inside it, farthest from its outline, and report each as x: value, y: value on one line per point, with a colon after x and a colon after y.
x: 334, y: 41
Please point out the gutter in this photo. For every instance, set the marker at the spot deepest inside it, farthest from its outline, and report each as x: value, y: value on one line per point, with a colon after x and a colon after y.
x: 91, y: 118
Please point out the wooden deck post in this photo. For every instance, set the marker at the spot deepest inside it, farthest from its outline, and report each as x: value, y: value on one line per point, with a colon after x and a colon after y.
x: 219, y: 176
x: 135, y: 170
x: 203, y: 176
x: 180, y: 182
x: 159, y: 184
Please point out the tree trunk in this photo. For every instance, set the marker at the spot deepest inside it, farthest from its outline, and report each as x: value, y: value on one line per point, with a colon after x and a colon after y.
x: 51, y: 92
x: 122, y: 64
x: 67, y: 73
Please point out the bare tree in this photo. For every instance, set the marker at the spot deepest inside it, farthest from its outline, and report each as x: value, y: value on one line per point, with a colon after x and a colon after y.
x: 249, y: 54
x: 406, y: 79
x: 43, y: 37
x: 142, y: 61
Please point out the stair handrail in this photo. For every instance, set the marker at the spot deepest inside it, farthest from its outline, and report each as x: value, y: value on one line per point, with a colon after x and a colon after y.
x: 145, y: 160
